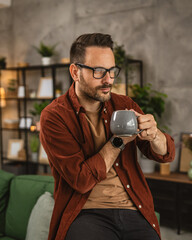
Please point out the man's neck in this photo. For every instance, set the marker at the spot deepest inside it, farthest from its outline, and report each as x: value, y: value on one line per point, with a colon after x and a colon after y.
x: 89, y: 104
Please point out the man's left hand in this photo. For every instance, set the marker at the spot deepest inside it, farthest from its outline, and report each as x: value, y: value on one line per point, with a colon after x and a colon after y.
x: 148, y: 124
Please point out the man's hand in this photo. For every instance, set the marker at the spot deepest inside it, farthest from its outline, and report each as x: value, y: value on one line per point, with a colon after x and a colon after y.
x: 148, y: 124
x: 151, y: 133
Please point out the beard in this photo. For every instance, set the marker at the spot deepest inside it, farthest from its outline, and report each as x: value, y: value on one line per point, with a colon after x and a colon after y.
x: 94, y: 93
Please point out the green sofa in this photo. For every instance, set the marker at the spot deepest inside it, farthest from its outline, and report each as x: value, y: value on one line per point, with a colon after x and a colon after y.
x: 22, y: 215
x: 18, y: 196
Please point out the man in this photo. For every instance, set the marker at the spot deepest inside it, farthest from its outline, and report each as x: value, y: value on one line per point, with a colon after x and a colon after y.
x: 100, y: 191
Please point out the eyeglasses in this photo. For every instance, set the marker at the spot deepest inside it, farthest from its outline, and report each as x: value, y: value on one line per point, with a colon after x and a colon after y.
x: 100, y: 72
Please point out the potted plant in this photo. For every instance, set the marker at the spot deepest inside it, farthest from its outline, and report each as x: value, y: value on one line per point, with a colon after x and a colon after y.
x: 36, y: 111
x: 151, y: 102
x: 188, y: 144
x: 12, y: 88
x: 46, y: 51
x: 2, y: 62
x: 121, y: 59
x: 34, y: 146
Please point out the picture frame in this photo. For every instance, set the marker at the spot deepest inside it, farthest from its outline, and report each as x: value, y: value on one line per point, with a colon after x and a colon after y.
x: 14, y: 146
x: 45, y: 88
x: 185, y: 153
x: 25, y: 123
x: 43, y: 156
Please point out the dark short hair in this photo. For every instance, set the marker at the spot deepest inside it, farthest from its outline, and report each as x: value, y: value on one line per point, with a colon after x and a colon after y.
x: 77, y: 52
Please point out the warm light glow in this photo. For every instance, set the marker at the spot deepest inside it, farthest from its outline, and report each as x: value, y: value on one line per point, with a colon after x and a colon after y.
x: 2, y: 97
x: 33, y: 128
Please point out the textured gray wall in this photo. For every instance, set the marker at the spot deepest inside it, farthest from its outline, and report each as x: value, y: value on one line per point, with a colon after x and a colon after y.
x: 158, y: 32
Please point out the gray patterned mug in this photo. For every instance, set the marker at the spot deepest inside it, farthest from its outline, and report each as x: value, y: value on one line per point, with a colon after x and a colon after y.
x: 124, y: 123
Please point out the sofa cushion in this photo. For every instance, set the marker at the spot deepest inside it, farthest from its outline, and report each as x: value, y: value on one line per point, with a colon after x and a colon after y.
x: 39, y: 221
x: 24, y: 192
x: 5, y: 180
x: 6, y: 238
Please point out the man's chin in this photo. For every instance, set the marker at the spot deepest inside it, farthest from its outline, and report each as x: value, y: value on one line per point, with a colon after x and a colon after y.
x: 105, y: 97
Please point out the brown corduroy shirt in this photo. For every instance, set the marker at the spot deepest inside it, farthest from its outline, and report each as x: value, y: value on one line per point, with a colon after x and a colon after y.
x: 77, y: 168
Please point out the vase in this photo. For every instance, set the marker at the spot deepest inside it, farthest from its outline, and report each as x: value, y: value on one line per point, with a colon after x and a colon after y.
x: 46, y: 61
x: 34, y: 156
x: 190, y: 171
x: 147, y: 165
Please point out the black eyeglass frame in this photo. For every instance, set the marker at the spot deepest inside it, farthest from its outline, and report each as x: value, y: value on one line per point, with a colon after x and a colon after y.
x: 106, y: 70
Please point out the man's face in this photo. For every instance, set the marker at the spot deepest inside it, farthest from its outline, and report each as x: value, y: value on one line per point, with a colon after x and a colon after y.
x: 88, y: 86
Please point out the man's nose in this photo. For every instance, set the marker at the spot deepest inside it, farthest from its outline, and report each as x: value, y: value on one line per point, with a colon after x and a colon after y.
x: 108, y: 79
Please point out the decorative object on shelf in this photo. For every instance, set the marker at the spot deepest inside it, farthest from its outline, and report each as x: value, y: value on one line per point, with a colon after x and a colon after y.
x: 22, y: 64
x: 46, y: 51
x: 45, y: 88
x: 2, y: 62
x: 185, y: 152
x: 147, y: 165
x: 33, y: 128
x: 190, y: 171
x: 14, y: 146
x: 34, y: 146
x: 22, y: 154
x: 32, y: 94
x: 25, y: 122
x: 2, y: 97
x: 12, y: 88
x: 164, y: 168
x: 42, y: 155
x: 65, y: 60
x: 36, y: 112
x: 188, y: 144
x: 11, y: 123
x: 21, y: 92
x: 58, y: 89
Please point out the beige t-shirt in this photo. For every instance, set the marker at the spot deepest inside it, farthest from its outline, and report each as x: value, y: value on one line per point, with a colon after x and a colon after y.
x: 110, y: 192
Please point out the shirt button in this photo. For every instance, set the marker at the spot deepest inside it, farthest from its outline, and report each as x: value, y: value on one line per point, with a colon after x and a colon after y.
x: 153, y: 225
x: 77, y: 112
x: 105, y: 121
x: 128, y: 186
x: 117, y: 164
x: 105, y: 110
x: 140, y: 206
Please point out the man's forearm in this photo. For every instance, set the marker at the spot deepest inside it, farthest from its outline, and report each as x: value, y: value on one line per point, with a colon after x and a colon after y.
x: 109, y: 154
x: 159, y: 144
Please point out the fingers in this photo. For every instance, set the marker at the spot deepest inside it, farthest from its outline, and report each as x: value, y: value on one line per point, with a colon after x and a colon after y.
x: 136, y: 113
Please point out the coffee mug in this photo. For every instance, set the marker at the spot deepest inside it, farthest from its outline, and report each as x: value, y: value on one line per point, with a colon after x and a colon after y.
x: 124, y: 123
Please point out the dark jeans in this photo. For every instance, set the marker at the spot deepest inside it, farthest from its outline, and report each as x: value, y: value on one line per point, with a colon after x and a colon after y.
x: 111, y: 224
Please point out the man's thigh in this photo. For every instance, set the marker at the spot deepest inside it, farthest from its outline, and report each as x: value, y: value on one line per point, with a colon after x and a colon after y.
x: 136, y: 227
x: 92, y: 225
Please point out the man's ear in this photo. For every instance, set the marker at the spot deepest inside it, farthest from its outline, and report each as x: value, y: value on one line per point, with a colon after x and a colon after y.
x: 74, y: 71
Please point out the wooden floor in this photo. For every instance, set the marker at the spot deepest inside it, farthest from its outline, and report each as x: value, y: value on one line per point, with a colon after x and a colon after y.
x: 171, y: 234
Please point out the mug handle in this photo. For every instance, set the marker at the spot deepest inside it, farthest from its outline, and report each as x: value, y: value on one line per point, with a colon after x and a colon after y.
x: 140, y: 130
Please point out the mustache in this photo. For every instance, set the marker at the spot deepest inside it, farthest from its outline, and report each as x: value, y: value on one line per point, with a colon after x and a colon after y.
x: 105, y: 86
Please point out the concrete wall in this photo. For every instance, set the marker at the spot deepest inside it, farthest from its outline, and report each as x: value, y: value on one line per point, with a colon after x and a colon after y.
x: 156, y: 31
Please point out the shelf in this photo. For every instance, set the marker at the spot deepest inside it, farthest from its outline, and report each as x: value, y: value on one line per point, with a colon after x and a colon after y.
x: 15, y: 129
x: 29, y: 99
x: 24, y: 104
x: 37, y: 67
